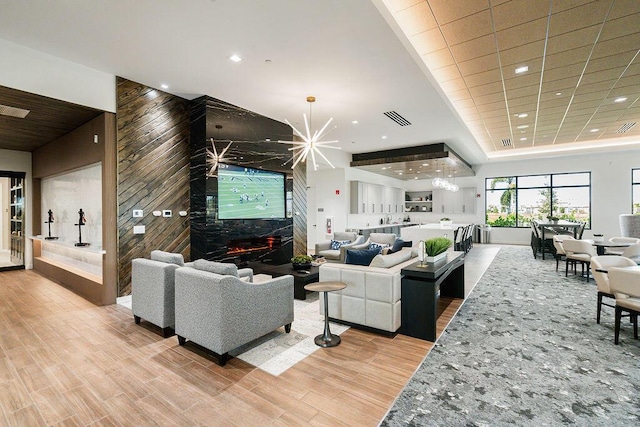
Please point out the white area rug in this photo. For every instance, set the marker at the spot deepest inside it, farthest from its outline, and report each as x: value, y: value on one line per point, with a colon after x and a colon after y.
x: 278, y: 351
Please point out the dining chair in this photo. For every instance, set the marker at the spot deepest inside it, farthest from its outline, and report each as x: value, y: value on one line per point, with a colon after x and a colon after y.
x: 605, y: 262
x: 620, y: 250
x: 557, y: 243
x: 625, y: 285
x: 578, y: 251
x: 537, y: 245
x: 632, y: 252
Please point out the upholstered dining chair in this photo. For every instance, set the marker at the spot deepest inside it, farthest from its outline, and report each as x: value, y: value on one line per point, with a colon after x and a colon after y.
x: 557, y: 243
x: 620, y: 250
x: 625, y: 285
x: 578, y: 251
x: 604, y: 262
x: 632, y: 252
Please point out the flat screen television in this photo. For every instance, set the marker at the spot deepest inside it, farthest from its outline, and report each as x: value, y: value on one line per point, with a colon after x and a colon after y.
x: 248, y: 193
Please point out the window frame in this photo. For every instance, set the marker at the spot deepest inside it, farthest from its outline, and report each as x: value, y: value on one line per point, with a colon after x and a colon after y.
x: 551, y: 189
x: 633, y: 186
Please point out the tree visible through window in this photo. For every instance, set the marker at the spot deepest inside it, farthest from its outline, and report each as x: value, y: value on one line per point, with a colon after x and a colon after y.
x: 515, y: 201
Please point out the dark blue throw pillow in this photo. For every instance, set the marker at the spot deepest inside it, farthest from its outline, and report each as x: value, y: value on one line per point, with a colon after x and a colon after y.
x: 361, y: 257
x: 397, y: 245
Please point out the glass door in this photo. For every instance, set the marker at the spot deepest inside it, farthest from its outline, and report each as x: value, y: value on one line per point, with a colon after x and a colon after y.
x: 12, y: 220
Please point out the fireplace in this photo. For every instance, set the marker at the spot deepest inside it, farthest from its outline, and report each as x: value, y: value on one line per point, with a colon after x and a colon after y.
x: 254, y: 248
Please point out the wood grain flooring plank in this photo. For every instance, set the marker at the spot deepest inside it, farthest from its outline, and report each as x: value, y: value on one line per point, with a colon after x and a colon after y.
x: 52, y: 405
x: 14, y: 396
x: 28, y: 416
x: 85, y: 404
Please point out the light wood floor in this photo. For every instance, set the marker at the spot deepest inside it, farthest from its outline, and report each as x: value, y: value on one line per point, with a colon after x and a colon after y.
x: 64, y: 361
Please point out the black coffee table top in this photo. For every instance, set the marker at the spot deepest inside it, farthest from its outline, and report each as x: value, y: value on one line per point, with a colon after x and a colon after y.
x: 281, y: 270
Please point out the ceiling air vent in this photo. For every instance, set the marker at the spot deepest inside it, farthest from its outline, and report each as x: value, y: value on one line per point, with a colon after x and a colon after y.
x: 506, y: 142
x: 6, y: 110
x: 397, y: 118
x: 626, y: 127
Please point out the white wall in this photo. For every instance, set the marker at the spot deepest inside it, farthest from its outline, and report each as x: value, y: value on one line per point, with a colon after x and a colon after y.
x: 36, y: 72
x: 610, y: 190
x: 20, y: 161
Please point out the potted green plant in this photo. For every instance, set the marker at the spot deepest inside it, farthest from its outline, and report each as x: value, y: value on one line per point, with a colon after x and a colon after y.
x: 436, y: 248
x: 553, y: 219
x: 445, y: 221
x: 301, y: 262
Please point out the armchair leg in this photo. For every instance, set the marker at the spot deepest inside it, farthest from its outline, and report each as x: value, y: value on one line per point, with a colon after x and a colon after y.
x: 222, y: 359
x: 181, y: 340
x: 136, y: 319
x: 617, y: 325
x: 167, y: 332
x: 599, y: 307
x: 287, y: 327
x: 566, y: 269
x: 635, y: 326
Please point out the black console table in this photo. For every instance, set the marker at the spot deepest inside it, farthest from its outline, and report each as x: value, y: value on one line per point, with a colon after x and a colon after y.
x: 420, y: 287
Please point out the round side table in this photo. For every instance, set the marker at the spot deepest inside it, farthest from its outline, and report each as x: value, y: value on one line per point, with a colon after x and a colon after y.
x: 327, y: 339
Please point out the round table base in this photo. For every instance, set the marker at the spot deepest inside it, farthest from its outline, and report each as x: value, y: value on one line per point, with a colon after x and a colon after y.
x: 331, y: 341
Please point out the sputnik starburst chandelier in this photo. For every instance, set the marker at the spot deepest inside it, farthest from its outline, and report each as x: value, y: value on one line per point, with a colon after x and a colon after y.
x: 213, y: 158
x: 310, y: 144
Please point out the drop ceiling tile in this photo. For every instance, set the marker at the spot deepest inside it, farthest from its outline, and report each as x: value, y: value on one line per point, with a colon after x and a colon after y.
x: 459, y: 95
x: 552, y: 111
x: 535, y: 66
x: 467, y: 28
x: 521, y: 54
x: 482, y: 79
x: 398, y: 5
x: 486, y: 99
x: 593, y: 87
x: 621, y: 60
x: 520, y: 92
x: 610, y: 76
x: 584, y: 97
x: 465, y: 104
x: 416, y: 19
x: 451, y: 10
x: 453, y: 85
x: 592, y: 13
x: 445, y: 74
x: 634, y: 68
x: 428, y: 41
x: 624, y: 7
x: 554, y: 101
x: 565, y: 86
x: 577, y: 55
x: 524, y: 34
x: 518, y: 12
x: 494, y: 113
x: 616, y: 46
x: 438, y: 59
x: 591, y: 104
x: 479, y: 65
x: 474, y: 48
x: 574, y: 70
x: 529, y: 79
x: 499, y: 105
x: 519, y: 102
x: 573, y: 40
x: 487, y: 89
x: 621, y: 27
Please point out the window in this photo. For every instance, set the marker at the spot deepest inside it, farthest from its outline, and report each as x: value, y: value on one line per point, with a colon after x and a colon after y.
x: 514, y: 201
x: 635, y: 188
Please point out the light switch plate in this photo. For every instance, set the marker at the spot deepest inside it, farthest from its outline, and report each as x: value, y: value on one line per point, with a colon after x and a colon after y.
x: 138, y: 213
x: 138, y: 229
x: 166, y: 213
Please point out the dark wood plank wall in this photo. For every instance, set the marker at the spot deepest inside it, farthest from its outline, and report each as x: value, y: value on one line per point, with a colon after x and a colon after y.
x: 300, y: 209
x: 153, y: 174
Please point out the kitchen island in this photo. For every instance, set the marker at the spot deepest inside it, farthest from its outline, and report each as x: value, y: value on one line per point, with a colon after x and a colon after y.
x: 428, y: 231
x: 394, y: 228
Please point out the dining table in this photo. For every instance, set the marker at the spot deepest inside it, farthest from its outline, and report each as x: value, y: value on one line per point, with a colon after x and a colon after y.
x: 602, y: 246
x: 566, y: 225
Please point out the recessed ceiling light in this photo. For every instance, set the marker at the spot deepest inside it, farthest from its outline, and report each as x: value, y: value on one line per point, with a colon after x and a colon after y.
x: 621, y: 99
x: 235, y: 58
x: 399, y: 173
x: 425, y: 164
x: 594, y: 130
x: 522, y: 69
x: 558, y: 93
x: 523, y: 115
x: 415, y: 177
x: 384, y: 168
x: 523, y: 139
x: 410, y: 169
x: 164, y: 86
x: 523, y: 126
x: 438, y: 170
x: 355, y: 122
x: 268, y: 139
x: 384, y: 137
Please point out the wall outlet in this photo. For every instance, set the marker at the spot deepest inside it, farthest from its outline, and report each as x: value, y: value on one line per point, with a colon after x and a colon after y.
x: 138, y: 213
x: 138, y: 229
x: 166, y: 213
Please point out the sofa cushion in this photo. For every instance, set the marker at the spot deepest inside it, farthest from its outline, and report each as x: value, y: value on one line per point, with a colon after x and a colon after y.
x: 335, y: 244
x: 330, y: 254
x: 361, y: 257
x: 168, y: 257
x: 387, y: 261
x: 224, y: 268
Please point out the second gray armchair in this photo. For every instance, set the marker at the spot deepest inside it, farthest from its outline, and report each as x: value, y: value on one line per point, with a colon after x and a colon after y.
x: 338, y: 254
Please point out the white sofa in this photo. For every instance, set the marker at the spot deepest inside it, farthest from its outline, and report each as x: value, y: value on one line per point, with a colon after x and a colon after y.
x: 372, y: 296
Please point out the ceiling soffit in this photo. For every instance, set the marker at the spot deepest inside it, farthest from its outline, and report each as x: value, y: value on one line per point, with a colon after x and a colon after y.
x: 582, y: 58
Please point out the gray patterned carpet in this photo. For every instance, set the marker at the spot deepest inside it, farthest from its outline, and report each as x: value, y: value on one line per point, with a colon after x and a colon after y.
x: 525, y: 350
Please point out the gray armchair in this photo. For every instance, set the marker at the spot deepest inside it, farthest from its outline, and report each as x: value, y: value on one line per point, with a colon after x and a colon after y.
x: 324, y: 250
x: 379, y: 238
x: 221, y: 313
x: 152, y: 289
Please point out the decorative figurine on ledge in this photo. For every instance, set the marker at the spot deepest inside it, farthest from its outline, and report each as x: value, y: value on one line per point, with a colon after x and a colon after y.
x: 81, y: 221
x: 49, y: 237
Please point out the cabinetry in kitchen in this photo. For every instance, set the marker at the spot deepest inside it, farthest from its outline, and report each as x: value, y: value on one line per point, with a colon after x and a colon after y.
x: 369, y: 198
x: 462, y: 201
x: 419, y: 201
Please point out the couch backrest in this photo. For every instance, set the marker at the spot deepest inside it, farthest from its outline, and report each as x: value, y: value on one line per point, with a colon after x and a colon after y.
x: 345, y: 235
x: 168, y: 257
x: 395, y: 269
x: 384, y: 238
